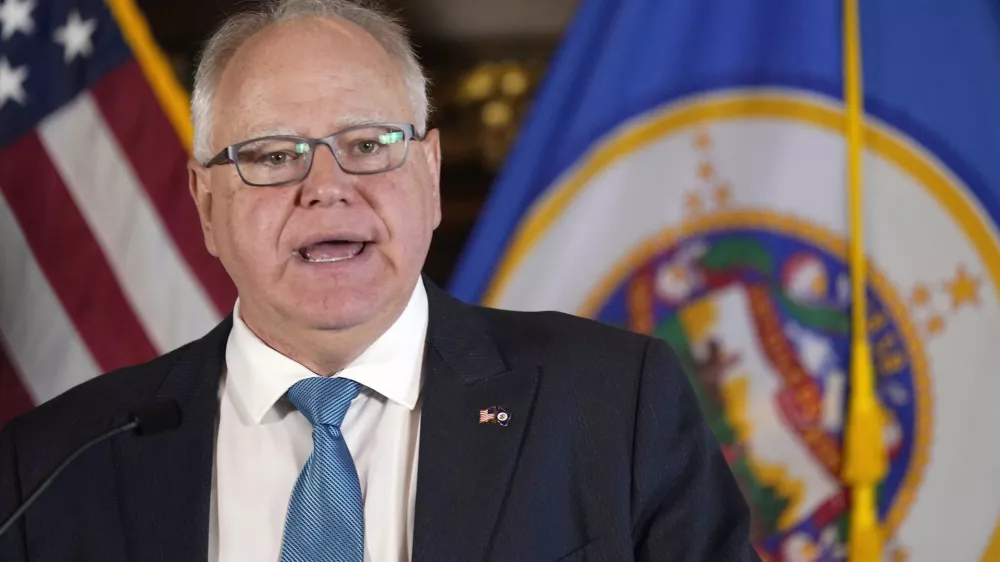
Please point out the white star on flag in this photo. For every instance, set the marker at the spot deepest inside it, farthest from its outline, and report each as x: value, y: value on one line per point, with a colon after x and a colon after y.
x: 75, y: 36
x: 12, y: 83
x: 15, y: 15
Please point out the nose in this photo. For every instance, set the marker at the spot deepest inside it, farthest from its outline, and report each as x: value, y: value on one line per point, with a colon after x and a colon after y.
x: 327, y: 184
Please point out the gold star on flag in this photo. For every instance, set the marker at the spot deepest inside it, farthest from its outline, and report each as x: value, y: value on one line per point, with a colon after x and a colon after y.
x: 693, y: 203
x: 702, y: 141
x: 723, y: 194
x: 964, y: 288
x: 935, y: 325
x: 706, y: 170
x: 921, y: 295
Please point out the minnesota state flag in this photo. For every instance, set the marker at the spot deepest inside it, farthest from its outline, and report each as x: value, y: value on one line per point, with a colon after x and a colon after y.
x: 687, y: 172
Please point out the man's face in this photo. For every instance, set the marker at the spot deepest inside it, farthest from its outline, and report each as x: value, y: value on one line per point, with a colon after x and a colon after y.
x: 335, y: 250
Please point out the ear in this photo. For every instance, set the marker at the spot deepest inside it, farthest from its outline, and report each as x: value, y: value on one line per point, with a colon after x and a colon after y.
x: 198, y: 186
x: 432, y: 152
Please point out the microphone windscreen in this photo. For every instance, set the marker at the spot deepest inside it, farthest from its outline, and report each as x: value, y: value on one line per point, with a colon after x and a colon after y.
x: 157, y: 417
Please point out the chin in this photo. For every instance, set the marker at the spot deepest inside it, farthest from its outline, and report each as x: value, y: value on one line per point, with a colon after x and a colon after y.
x: 336, y: 320
x: 340, y: 311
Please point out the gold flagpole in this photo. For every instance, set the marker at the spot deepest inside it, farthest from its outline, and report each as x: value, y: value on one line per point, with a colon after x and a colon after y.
x: 155, y: 66
x: 864, y: 455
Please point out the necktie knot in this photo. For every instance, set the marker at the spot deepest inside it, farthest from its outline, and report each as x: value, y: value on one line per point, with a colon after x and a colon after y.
x: 323, y: 400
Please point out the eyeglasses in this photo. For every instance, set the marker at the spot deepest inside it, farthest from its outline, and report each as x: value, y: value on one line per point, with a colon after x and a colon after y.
x: 282, y: 159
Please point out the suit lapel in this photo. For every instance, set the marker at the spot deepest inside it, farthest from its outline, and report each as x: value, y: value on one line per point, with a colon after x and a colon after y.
x: 465, y: 466
x: 165, y: 480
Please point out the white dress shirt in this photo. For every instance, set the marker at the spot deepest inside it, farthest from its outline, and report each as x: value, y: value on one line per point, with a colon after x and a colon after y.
x: 262, y: 441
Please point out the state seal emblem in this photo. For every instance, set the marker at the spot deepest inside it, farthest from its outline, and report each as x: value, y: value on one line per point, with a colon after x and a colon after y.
x: 719, y: 224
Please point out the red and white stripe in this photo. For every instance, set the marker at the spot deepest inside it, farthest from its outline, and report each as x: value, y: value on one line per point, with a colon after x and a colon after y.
x: 103, y: 263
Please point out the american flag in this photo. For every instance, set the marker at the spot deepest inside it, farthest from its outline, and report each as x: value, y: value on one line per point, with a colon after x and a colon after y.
x: 103, y: 260
x: 488, y: 415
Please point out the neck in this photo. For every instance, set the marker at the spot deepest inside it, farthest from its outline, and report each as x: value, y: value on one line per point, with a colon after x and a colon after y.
x: 323, y: 351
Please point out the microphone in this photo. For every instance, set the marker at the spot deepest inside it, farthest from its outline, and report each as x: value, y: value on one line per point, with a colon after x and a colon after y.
x: 148, y: 420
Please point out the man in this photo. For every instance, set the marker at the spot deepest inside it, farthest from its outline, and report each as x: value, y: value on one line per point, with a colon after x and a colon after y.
x: 348, y: 409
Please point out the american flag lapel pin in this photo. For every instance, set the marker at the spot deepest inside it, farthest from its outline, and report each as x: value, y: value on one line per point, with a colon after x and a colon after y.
x: 494, y: 414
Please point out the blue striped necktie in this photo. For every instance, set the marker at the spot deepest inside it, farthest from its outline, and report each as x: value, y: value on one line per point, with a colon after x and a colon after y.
x: 325, y: 520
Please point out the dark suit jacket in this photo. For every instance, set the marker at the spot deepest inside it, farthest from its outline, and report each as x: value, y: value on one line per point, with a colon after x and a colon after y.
x: 605, y: 456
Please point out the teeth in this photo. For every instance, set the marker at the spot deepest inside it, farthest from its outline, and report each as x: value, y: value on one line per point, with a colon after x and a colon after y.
x: 304, y: 257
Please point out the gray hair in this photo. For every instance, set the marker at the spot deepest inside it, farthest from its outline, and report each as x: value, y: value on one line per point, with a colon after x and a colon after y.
x: 223, y: 44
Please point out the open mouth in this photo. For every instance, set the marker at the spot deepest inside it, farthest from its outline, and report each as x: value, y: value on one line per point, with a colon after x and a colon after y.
x: 330, y: 251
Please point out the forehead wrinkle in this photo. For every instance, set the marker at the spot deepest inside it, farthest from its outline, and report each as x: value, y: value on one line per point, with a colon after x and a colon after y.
x: 272, y: 131
x: 353, y: 119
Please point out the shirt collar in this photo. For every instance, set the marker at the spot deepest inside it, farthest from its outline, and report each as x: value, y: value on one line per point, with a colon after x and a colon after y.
x: 391, y: 366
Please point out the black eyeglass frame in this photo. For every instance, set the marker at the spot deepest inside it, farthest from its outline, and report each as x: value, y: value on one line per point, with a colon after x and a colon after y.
x: 228, y: 154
